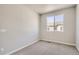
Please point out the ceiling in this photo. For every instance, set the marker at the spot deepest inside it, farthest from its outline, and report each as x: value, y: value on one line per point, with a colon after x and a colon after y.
x: 44, y: 8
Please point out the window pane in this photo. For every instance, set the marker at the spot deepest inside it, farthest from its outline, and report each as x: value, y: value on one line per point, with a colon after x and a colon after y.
x: 50, y: 23
x: 59, y: 19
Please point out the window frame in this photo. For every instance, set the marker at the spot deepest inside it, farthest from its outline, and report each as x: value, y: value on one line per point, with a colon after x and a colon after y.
x: 54, y: 30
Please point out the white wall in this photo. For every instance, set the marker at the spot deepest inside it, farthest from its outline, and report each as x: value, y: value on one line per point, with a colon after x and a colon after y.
x: 66, y: 37
x: 21, y: 25
x: 77, y: 27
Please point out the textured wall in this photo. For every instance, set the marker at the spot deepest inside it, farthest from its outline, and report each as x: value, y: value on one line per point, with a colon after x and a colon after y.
x: 19, y: 25
x: 66, y: 37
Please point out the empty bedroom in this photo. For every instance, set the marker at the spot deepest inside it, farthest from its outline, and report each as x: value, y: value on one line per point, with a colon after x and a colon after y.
x: 39, y: 29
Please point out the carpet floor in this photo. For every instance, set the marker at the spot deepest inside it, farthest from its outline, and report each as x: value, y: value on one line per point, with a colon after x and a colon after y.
x: 46, y: 48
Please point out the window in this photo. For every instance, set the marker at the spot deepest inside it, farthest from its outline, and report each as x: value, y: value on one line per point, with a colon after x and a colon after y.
x: 59, y: 23
x: 55, y: 23
x: 50, y: 23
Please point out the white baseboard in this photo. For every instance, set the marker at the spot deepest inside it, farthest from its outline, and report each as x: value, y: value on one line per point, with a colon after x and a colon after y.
x: 59, y: 42
x: 37, y: 41
x: 77, y: 48
x: 22, y: 47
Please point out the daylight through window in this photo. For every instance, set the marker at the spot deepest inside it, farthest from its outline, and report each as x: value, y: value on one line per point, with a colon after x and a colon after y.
x: 55, y: 23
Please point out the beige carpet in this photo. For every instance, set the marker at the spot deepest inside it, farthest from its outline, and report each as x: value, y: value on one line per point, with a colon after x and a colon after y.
x: 45, y: 48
